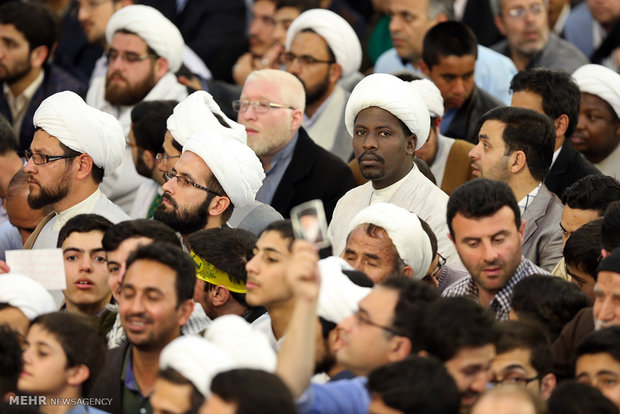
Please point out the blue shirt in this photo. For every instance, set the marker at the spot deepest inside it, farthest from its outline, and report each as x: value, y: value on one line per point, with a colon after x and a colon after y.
x: 338, y: 397
x: 279, y: 164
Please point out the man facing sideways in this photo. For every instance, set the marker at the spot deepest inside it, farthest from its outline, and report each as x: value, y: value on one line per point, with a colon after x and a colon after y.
x: 516, y: 147
x: 389, y: 121
x: 297, y: 169
x: 486, y: 228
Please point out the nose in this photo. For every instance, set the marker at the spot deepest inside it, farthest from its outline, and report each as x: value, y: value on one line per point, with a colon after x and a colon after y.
x: 370, y: 142
x: 294, y: 67
x: 581, y: 121
x: 474, y: 154
x: 490, y: 253
x: 458, y: 87
x: 136, y: 305
x: 83, y: 13
x: 480, y: 382
x: 346, y: 324
x: 394, y: 24
x: 86, y: 264
x: 606, y: 309
x: 169, y: 186
x: 30, y: 166
x: 252, y: 266
x: 249, y: 113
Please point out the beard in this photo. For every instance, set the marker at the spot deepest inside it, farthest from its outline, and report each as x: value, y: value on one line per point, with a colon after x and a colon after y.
x: 185, y: 221
x: 141, y: 167
x: 48, y: 196
x: 20, y: 71
x: 270, y: 140
x: 315, y: 93
x: 125, y: 93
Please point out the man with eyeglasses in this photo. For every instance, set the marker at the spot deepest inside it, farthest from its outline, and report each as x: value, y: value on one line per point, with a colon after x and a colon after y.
x: 73, y: 147
x: 321, y: 49
x: 529, y: 42
x: 27, y: 77
x: 523, y: 358
x: 297, y: 169
x: 145, y: 50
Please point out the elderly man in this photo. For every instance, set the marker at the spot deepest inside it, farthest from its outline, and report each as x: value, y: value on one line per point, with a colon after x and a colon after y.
x: 598, y: 131
x: 298, y: 170
x: 386, y: 240
x: 145, y: 50
x: 322, y: 48
x: 74, y: 146
x: 529, y: 42
x: 389, y: 122
x: 516, y: 147
x: 486, y: 228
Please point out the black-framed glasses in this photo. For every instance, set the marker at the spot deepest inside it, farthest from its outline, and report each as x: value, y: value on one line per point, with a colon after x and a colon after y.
x: 260, y: 107
x: 362, y: 319
x: 441, y: 262
x: 42, y: 159
x: 186, y: 182
x: 288, y: 57
x: 513, y: 379
x: 160, y: 156
x: 127, y: 57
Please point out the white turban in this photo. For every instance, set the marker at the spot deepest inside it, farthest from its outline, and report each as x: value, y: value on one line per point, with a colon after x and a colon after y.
x: 154, y: 28
x: 336, y: 31
x: 248, y: 347
x: 431, y: 95
x: 234, y: 164
x: 600, y: 81
x: 195, y: 113
x: 82, y: 128
x: 26, y: 294
x: 197, y: 359
x: 393, y: 95
x: 338, y: 295
x: 405, y: 231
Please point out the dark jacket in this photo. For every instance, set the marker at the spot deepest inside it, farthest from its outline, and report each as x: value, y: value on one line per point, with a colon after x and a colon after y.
x: 55, y: 80
x: 313, y: 173
x: 463, y: 124
x: 565, y: 345
x: 569, y: 167
x: 108, y: 383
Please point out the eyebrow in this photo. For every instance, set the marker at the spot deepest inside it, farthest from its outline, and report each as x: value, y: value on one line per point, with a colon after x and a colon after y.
x: 606, y: 372
x: 372, y: 256
x: 75, y: 249
x: 269, y: 249
x: 513, y: 366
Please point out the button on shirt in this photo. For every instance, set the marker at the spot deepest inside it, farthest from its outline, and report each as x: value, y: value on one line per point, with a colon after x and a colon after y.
x: 133, y: 401
x: 279, y: 164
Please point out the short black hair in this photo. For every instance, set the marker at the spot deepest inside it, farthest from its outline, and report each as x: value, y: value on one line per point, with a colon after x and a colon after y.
x: 528, y: 131
x: 8, y: 142
x: 583, y: 248
x: 450, y: 38
x: 254, y: 391
x: 532, y: 301
x: 592, y: 192
x: 415, y: 385
x: 301, y: 5
x: 559, y: 92
x: 83, y: 223
x: 572, y: 397
x: 35, y: 21
x: 604, y: 341
x: 284, y: 228
x: 153, y: 229
x: 610, y: 236
x: 227, y: 249
x: 10, y: 360
x: 96, y: 172
x: 81, y: 339
x: 173, y: 257
x: 413, y: 299
x: 148, y: 119
x: 172, y: 375
x: 481, y: 198
x: 513, y: 335
x: 452, y: 324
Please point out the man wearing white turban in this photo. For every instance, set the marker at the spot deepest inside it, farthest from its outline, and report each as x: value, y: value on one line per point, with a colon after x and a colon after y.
x: 389, y: 122
x: 145, y: 49
x: 598, y: 130
x: 322, y: 48
x: 73, y: 147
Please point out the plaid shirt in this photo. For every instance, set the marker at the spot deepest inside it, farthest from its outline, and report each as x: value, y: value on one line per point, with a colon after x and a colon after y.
x: 500, y: 305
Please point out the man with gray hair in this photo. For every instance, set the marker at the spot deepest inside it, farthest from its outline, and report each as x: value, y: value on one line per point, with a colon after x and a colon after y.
x: 529, y: 42
x: 271, y: 109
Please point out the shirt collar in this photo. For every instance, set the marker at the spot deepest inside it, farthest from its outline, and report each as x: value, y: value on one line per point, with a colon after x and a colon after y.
x: 83, y: 207
x: 284, y: 153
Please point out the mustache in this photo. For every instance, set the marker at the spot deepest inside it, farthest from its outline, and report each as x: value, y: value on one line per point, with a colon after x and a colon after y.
x: 169, y: 198
x: 116, y: 73
x: 370, y: 156
x: 139, y: 316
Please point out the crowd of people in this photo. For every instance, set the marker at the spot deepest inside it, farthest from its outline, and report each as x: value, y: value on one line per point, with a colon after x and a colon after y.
x: 465, y: 153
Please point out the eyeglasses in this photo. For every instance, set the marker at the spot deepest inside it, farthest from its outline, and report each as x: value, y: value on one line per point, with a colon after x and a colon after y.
x: 513, y: 379
x: 129, y: 57
x: 288, y: 58
x: 42, y: 159
x: 88, y: 6
x: 161, y: 156
x: 520, y: 12
x: 260, y: 107
x: 186, y: 182
x: 441, y: 261
x: 362, y: 319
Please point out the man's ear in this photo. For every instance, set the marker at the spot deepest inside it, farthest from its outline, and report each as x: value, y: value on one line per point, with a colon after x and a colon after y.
x: 161, y: 67
x: 547, y: 385
x: 518, y: 162
x: 412, y: 143
x: 218, y: 205
x: 424, y: 68
x: 184, y: 311
x: 78, y: 375
x: 149, y: 159
x: 335, y: 72
x: 219, y: 296
x: 85, y: 166
x: 407, y: 271
x: 400, y: 348
x: 39, y: 55
x: 499, y: 23
x: 561, y: 125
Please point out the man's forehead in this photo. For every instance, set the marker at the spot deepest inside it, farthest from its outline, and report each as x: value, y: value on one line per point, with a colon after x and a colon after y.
x: 149, y: 274
x: 130, y: 42
x: 261, y: 89
x: 42, y: 141
x: 608, y: 280
x: 380, y: 300
x: 9, y: 31
x: 377, y: 238
x: 192, y: 165
x: 418, y: 7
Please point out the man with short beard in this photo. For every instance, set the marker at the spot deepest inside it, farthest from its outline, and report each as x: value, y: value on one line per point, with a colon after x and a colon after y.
x: 322, y: 48
x: 73, y: 146
x: 145, y: 50
x: 28, y: 33
x: 298, y: 170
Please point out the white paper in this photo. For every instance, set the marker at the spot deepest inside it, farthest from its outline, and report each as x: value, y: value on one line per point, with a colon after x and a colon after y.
x: 46, y: 266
